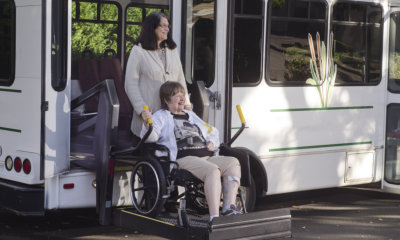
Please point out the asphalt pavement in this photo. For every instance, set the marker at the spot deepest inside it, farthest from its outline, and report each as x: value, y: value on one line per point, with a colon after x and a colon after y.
x: 338, y: 213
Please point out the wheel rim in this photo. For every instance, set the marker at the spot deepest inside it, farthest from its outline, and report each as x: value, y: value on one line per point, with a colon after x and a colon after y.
x: 145, y: 187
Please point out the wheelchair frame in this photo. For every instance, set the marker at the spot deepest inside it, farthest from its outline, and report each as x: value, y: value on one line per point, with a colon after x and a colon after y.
x: 153, y: 181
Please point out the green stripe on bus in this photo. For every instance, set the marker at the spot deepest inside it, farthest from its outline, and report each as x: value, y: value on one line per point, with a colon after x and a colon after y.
x: 10, y: 90
x: 10, y: 129
x: 320, y: 109
x: 319, y: 146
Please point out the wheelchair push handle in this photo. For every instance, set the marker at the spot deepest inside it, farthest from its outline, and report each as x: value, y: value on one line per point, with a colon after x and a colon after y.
x: 150, y: 120
x: 243, y: 121
x: 150, y: 128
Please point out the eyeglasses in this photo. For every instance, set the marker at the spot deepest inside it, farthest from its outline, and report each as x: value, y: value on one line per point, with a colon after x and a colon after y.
x: 164, y: 26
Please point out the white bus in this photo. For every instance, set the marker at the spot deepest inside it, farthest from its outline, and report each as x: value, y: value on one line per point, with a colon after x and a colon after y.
x: 252, y: 53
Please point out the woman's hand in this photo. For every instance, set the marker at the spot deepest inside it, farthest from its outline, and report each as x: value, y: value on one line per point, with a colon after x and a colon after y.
x: 210, y: 146
x: 146, y: 114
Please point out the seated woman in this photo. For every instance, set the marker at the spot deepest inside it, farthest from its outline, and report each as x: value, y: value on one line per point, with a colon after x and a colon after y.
x: 194, y: 145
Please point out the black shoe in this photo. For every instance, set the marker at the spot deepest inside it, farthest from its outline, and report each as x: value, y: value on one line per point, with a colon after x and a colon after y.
x: 209, y: 223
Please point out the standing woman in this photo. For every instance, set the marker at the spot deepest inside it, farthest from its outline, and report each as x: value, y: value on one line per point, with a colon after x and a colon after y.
x: 152, y: 62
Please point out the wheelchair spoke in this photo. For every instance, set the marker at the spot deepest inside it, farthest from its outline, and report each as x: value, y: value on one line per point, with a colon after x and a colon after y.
x: 151, y: 193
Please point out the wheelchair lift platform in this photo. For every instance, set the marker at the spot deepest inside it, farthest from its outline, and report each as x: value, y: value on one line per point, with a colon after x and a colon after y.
x: 269, y: 224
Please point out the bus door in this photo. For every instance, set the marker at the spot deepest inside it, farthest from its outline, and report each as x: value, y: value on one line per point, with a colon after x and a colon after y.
x: 391, y: 181
x: 56, y: 90
x: 202, y: 45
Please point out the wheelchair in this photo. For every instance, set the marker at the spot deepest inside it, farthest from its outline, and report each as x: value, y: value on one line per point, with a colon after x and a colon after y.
x: 155, y: 179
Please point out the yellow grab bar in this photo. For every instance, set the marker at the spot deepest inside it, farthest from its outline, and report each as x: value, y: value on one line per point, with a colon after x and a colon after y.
x: 239, y: 110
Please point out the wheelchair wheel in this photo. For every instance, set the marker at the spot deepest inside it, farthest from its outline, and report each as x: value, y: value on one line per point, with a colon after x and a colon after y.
x: 148, y: 187
x: 197, y: 199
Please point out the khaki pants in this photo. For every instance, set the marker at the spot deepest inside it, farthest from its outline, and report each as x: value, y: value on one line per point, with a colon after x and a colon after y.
x: 201, y: 166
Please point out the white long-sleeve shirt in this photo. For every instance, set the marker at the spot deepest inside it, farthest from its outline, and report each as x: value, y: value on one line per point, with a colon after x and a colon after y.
x: 163, y: 131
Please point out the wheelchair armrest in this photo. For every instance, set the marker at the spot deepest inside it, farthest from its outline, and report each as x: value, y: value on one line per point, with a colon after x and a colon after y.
x: 124, y: 152
x: 156, y: 147
x: 169, y: 162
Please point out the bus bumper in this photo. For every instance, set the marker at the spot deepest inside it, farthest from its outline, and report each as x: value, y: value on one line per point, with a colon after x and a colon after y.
x: 24, y: 200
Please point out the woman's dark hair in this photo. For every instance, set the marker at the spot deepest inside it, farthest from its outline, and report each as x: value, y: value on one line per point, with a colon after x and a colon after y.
x: 148, y: 38
x: 167, y: 90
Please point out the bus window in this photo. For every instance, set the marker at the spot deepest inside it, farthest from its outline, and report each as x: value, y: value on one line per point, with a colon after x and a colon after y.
x: 199, y: 41
x: 247, y: 42
x: 357, y: 31
x: 135, y: 15
x: 248, y: 7
x: 392, y: 150
x: 59, y: 44
x: 288, y: 53
x: 95, y: 27
x: 394, y: 53
x: 7, y: 42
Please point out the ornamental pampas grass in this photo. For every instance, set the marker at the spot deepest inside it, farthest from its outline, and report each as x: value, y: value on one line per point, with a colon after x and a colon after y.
x: 323, y: 69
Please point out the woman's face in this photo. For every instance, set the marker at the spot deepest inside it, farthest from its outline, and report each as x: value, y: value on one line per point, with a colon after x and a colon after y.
x: 162, y: 30
x: 176, y: 103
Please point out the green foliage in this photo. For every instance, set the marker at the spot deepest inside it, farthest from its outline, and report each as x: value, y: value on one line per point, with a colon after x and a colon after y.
x: 134, y: 14
x: 295, y: 51
x: 88, y: 10
x: 296, y: 63
x: 132, y: 33
x: 150, y: 10
x: 394, y: 65
x: 277, y: 4
x: 101, y: 34
x: 297, y: 67
x: 109, y: 12
x: 96, y: 37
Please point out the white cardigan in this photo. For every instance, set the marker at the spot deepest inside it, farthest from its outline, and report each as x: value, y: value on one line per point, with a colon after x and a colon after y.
x: 145, y: 74
x: 163, y: 131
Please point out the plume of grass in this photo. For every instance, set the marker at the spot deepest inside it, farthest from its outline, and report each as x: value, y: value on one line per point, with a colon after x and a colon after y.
x: 324, y: 74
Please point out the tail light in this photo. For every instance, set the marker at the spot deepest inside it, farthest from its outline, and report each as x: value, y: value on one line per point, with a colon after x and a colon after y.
x: 17, y: 164
x: 68, y: 186
x: 9, y: 163
x: 27, y: 166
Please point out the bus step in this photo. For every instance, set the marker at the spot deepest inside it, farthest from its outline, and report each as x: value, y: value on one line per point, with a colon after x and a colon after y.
x: 270, y: 224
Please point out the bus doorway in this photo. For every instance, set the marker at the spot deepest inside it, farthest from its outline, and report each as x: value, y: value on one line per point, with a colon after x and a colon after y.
x: 391, y: 181
x: 202, y: 44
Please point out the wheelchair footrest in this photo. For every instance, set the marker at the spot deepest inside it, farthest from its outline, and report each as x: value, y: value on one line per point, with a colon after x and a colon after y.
x: 270, y: 224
